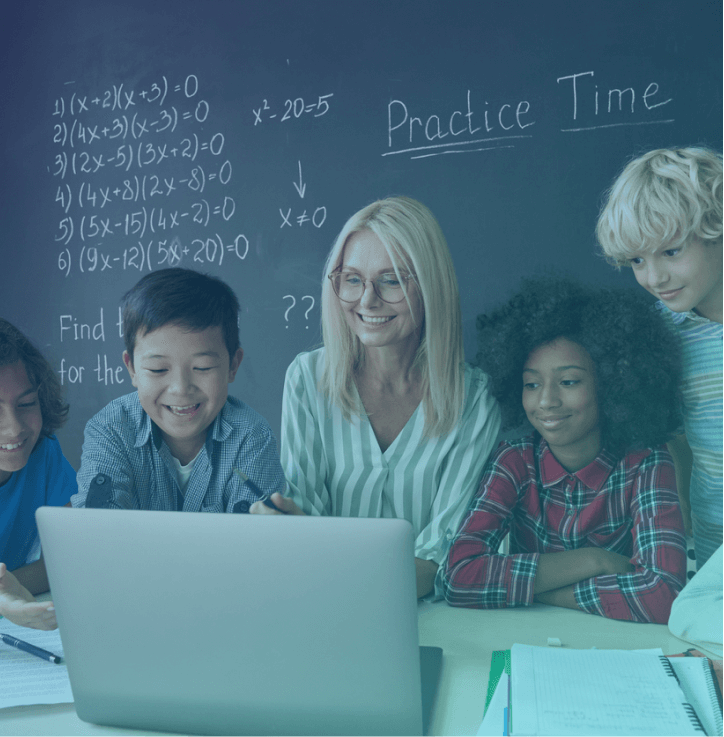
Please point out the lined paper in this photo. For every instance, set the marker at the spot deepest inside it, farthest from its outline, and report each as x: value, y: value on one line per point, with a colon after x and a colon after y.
x: 26, y: 679
x: 595, y: 692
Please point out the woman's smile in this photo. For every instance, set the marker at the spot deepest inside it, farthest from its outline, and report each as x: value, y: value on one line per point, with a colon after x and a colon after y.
x: 372, y: 320
x: 376, y: 323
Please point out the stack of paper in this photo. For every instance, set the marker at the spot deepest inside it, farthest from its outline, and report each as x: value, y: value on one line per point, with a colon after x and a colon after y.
x: 601, y: 692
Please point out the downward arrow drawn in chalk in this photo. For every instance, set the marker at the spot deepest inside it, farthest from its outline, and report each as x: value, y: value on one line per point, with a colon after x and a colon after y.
x: 300, y: 187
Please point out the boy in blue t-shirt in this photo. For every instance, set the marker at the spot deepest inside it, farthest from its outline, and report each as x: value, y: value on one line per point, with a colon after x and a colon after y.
x: 33, y: 473
x: 179, y: 442
x: 663, y: 218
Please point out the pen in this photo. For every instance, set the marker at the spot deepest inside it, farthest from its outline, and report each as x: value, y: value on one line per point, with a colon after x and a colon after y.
x: 28, y: 648
x: 266, y: 500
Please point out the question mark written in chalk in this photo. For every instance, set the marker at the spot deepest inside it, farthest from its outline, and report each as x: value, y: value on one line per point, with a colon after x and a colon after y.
x: 286, y: 314
x: 309, y: 309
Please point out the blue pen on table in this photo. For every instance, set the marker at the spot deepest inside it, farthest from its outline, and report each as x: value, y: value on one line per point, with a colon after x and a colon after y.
x: 266, y: 500
x: 28, y: 648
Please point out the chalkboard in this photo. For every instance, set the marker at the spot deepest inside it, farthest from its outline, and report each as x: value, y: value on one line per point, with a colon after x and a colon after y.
x: 237, y: 137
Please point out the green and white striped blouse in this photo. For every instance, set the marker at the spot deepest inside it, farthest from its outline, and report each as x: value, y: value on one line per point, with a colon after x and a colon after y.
x: 335, y: 467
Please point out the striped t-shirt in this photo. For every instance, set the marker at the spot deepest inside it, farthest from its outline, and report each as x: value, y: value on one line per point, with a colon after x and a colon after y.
x: 336, y: 467
x: 701, y: 343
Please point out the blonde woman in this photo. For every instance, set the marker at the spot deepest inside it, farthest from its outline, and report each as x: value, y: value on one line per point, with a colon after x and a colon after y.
x: 387, y: 420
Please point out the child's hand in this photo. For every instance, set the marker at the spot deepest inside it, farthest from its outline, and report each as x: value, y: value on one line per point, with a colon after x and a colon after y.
x: 19, y: 606
x: 612, y: 563
x: 284, y: 504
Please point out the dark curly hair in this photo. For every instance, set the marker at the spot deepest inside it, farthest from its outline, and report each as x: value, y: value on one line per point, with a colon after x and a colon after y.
x: 636, y: 355
x: 14, y: 347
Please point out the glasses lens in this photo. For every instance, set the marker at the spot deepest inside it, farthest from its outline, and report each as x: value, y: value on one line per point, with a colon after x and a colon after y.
x: 389, y: 287
x: 350, y: 287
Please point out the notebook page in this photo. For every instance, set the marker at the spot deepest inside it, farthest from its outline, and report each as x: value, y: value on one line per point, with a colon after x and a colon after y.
x: 695, y: 679
x: 26, y: 679
x: 595, y: 692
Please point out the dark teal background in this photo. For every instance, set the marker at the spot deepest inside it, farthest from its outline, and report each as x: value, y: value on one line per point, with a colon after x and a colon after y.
x: 522, y: 206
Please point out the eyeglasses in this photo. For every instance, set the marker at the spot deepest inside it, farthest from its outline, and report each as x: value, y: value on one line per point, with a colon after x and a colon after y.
x: 350, y: 286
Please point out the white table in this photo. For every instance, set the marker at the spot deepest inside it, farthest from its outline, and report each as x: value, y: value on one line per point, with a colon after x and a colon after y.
x: 467, y: 637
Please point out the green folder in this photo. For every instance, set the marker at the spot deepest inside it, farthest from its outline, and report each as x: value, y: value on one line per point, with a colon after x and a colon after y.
x: 499, y: 663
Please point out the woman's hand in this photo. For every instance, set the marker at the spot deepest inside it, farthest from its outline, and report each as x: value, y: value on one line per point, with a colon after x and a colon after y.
x: 19, y: 606
x: 284, y: 505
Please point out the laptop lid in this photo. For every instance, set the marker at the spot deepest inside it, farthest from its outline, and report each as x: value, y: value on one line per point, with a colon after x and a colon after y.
x: 236, y: 624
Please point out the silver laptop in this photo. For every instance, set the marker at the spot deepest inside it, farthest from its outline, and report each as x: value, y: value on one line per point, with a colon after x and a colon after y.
x: 238, y: 624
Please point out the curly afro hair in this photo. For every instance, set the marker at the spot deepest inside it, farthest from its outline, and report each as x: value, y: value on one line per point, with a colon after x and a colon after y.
x: 636, y: 355
x: 14, y: 347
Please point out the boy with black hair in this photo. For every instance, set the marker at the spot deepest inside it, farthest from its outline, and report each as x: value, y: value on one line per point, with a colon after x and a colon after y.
x: 176, y: 443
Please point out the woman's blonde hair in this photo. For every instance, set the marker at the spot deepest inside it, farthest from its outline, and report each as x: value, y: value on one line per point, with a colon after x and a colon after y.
x: 663, y: 197
x: 415, y: 244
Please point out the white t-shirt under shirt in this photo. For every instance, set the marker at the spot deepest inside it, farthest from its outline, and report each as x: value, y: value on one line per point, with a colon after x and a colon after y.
x: 183, y: 473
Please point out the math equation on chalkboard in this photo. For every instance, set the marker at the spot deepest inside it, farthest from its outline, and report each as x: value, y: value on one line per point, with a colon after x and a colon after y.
x: 143, y: 180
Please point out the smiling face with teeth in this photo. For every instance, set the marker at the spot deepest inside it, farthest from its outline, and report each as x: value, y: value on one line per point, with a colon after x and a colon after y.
x: 21, y: 420
x: 376, y: 323
x: 183, y: 378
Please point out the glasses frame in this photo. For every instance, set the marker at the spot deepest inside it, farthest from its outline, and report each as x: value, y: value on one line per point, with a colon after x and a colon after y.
x: 404, y: 278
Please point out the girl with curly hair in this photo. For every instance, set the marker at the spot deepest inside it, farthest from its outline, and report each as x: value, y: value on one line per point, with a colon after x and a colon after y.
x: 589, y: 499
x: 33, y: 473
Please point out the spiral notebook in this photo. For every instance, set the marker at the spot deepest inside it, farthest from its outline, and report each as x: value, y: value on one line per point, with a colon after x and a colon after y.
x: 598, y: 692
x: 696, y: 679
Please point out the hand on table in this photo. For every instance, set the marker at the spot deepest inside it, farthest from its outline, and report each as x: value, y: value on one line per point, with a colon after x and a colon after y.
x: 286, y: 505
x: 19, y: 606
